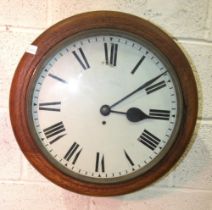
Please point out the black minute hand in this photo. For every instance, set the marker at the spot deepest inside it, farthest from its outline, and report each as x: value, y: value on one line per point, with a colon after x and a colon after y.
x: 138, y: 89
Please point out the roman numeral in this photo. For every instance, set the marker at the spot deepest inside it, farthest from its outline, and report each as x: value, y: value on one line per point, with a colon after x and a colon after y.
x: 57, y: 78
x: 112, y: 58
x: 155, y: 87
x: 159, y: 114
x: 83, y: 60
x: 128, y: 158
x: 74, y: 151
x: 50, y: 106
x: 100, y: 163
x: 56, y: 131
x: 138, y: 64
x: 149, y: 140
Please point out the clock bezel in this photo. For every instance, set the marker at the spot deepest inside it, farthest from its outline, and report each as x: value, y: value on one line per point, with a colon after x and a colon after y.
x: 71, y: 27
x: 91, y: 34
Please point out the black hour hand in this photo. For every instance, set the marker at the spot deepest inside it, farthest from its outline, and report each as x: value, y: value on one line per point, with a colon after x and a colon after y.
x: 135, y: 114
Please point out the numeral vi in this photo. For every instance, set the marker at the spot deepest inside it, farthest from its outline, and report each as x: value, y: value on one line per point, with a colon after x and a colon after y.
x: 100, y: 163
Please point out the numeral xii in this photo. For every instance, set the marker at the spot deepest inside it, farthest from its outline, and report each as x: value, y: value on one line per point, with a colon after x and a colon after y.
x: 111, y: 55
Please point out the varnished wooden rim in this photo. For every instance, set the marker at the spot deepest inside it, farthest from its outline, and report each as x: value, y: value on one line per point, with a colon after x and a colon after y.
x: 68, y: 28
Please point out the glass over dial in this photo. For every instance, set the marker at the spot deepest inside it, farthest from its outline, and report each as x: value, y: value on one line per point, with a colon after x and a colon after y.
x: 105, y: 107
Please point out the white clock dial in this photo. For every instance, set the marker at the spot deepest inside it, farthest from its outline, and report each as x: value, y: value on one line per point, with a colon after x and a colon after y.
x: 105, y: 107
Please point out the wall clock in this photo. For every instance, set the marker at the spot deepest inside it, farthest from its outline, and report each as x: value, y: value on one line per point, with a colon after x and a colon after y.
x: 103, y: 103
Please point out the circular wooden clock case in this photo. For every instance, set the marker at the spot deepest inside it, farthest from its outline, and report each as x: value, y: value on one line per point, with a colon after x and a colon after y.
x: 106, y: 105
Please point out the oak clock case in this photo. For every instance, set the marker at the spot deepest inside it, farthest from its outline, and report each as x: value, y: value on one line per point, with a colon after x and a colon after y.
x: 106, y: 105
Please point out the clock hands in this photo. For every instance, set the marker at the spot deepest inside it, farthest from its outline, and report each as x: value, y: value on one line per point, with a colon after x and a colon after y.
x: 138, y: 89
x: 133, y: 114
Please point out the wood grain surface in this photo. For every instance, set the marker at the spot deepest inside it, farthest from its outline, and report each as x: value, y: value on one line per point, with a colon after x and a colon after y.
x: 21, y: 88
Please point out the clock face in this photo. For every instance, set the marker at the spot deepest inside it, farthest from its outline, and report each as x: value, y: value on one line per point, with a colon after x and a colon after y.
x: 103, y: 103
x: 105, y: 106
